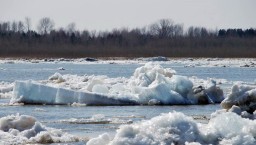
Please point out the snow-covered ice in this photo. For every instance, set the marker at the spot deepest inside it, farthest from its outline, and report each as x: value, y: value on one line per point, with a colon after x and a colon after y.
x: 23, y: 129
x: 150, y: 84
x: 98, y: 119
x: 243, y: 96
x: 6, y: 90
x: 158, y: 58
x: 186, y: 62
x: 176, y: 128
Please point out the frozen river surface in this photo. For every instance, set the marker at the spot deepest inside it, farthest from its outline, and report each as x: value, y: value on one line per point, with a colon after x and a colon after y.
x: 26, y: 71
x: 90, y: 121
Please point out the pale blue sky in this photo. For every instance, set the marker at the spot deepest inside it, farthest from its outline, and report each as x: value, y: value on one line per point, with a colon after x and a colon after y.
x: 109, y: 14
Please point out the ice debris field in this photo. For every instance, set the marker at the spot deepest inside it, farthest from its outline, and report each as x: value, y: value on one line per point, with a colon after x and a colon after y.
x: 23, y: 129
x: 176, y: 128
x: 150, y: 84
x: 224, y: 128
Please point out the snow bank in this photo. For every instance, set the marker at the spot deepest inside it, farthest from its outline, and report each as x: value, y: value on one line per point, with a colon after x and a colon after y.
x: 23, y: 129
x: 176, y: 128
x: 150, y: 85
x: 243, y: 96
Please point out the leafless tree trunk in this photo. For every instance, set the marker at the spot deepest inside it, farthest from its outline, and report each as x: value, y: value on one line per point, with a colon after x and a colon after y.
x: 20, y: 26
x: 164, y: 28
x: 27, y: 24
x: 71, y: 28
x: 14, y: 26
x: 5, y: 27
x: 45, y: 25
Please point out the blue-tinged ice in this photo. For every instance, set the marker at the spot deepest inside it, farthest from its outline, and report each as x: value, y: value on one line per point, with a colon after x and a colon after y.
x: 150, y: 85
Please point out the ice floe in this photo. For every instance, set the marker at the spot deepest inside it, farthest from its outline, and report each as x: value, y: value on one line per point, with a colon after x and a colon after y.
x: 176, y: 128
x: 241, y: 100
x: 158, y: 58
x: 243, y: 96
x: 23, y: 129
x: 150, y: 84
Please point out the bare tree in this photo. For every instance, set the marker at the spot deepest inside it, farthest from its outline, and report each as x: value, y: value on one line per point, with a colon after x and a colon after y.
x: 27, y: 24
x: 85, y: 35
x: 93, y: 34
x: 199, y: 32
x: 204, y: 32
x: 5, y: 27
x: 178, y: 30
x: 164, y: 28
x: 45, y: 25
x: 71, y: 28
x: 190, y: 32
x: 21, y: 27
x: 14, y: 26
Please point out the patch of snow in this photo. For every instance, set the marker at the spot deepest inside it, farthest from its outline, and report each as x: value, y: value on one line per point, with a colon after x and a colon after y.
x: 243, y: 96
x: 6, y: 90
x: 176, y: 128
x: 23, y: 129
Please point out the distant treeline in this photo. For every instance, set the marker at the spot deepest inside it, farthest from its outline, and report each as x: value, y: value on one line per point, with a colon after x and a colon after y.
x: 163, y: 38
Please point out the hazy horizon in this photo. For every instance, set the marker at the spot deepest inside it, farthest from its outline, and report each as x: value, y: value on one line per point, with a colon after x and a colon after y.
x: 107, y: 15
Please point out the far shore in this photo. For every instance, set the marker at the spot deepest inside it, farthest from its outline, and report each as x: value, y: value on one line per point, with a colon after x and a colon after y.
x: 119, y: 58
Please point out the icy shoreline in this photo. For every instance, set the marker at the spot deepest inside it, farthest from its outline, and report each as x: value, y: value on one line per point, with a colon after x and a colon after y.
x: 186, y: 62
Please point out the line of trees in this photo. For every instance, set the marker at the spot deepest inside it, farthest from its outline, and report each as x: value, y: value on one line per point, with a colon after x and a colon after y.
x: 163, y: 38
